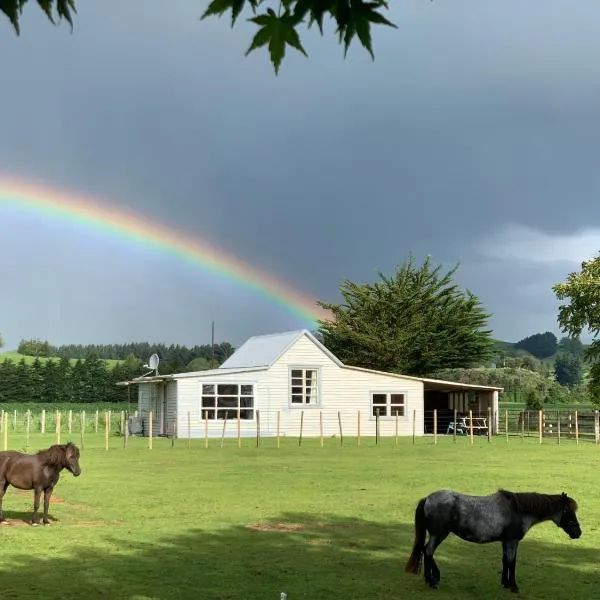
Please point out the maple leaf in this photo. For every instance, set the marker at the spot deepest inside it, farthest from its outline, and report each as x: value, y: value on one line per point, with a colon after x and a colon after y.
x: 277, y: 32
x: 354, y: 18
x: 317, y: 10
x: 218, y: 7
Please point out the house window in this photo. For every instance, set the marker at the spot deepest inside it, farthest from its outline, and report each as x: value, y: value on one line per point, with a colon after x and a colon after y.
x: 304, y: 389
x: 224, y: 400
x: 388, y: 404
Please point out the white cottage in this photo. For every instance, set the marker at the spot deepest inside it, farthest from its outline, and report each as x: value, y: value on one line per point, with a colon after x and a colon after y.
x: 285, y: 375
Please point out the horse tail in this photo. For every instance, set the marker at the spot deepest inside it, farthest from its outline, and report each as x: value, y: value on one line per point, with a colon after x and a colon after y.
x: 413, y: 565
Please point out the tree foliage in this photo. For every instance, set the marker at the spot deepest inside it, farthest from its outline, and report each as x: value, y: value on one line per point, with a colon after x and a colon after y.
x: 567, y: 369
x: 414, y: 322
x: 541, y: 345
x: 278, y: 21
x: 571, y: 345
x: 55, y: 10
x: 580, y: 311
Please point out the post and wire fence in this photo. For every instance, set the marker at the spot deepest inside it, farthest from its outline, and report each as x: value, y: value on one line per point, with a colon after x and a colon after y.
x: 22, y: 428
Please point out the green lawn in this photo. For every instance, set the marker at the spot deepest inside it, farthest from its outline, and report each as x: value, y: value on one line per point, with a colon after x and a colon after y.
x: 16, y: 357
x: 317, y: 523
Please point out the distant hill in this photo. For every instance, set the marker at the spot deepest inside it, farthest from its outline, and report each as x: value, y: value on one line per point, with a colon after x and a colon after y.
x: 510, y: 349
x: 16, y: 358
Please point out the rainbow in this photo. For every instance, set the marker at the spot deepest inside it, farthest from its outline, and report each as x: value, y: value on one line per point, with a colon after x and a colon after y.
x: 88, y: 212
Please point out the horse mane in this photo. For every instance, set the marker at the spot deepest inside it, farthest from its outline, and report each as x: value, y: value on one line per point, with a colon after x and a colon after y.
x: 54, y: 456
x: 536, y: 503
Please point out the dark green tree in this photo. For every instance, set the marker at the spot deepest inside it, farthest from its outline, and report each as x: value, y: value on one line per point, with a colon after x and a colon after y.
x: 415, y: 322
x: 571, y: 345
x: 278, y: 22
x: 567, y: 369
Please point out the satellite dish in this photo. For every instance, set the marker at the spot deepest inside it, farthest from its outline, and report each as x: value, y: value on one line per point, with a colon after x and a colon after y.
x: 153, y: 362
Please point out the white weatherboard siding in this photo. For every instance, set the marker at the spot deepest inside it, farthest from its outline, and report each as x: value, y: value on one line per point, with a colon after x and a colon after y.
x: 171, y: 407
x: 340, y: 389
x: 189, y: 392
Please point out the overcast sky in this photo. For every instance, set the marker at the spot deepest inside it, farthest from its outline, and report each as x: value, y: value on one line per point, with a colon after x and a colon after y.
x: 473, y: 137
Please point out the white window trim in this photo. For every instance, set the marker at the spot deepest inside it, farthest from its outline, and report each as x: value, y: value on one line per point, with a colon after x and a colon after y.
x: 303, y: 406
x: 238, y: 382
x: 387, y: 391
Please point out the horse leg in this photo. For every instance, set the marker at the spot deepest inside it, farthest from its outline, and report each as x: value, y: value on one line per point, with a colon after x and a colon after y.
x: 432, y: 572
x: 35, y: 519
x: 47, y: 494
x: 3, y: 487
x: 509, y: 564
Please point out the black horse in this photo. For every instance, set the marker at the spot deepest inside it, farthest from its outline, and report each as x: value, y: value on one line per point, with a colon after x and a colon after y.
x: 501, y: 517
x: 38, y: 472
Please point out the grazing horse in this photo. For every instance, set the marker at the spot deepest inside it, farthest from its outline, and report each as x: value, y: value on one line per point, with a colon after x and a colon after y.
x: 38, y: 472
x: 501, y: 517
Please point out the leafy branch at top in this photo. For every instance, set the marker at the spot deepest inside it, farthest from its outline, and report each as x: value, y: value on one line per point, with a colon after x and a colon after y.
x: 353, y: 19
x: 277, y: 24
x: 63, y: 9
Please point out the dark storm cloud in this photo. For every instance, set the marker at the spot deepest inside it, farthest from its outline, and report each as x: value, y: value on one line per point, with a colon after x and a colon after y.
x: 472, y: 118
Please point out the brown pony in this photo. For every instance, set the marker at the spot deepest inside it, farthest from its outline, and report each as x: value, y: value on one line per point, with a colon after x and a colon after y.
x: 38, y: 472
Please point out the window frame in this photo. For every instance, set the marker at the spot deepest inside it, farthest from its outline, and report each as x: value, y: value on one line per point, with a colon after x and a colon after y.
x: 319, y: 387
x: 239, y: 407
x: 389, y: 393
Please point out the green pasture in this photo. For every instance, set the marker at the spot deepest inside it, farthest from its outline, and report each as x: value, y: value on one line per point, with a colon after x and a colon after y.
x: 16, y: 357
x: 224, y: 523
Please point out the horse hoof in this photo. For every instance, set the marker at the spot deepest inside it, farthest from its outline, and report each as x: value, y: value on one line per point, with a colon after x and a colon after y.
x: 514, y: 590
x: 433, y: 585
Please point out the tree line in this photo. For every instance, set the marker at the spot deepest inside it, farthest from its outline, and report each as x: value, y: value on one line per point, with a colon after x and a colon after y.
x: 173, y: 358
x: 81, y: 381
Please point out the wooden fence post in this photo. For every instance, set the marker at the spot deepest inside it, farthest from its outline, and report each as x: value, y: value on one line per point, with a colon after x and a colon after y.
x: 577, y: 427
x: 414, y: 426
x: 471, y: 424
x: 435, y: 426
x: 206, y: 429
x: 57, y: 424
x: 5, y: 431
x: 321, y: 427
x: 455, y: 425
x: 358, y: 428
x: 82, y: 427
x: 278, y: 424
x: 341, y: 432
x: 301, y: 427
x: 15, y: 421
x: 223, y: 432
x: 596, y: 426
x: 540, y: 424
x: 189, y: 430
x: 43, y: 421
x: 96, y: 422
x: 27, y: 426
x: 70, y: 421
x: 257, y: 428
x: 489, y: 424
x: 150, y: 416
x: 506, y: 425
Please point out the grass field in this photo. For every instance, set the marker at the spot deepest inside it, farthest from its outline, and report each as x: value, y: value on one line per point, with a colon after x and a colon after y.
x: 317, y: 523
x: 17, y: 357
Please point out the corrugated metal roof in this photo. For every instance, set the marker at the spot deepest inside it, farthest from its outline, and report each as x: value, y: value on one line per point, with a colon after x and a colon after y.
x: 261, y: 350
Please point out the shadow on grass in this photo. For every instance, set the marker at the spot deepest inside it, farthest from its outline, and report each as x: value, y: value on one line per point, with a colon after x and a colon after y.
x: 307, y: 557
x: 23, y: 517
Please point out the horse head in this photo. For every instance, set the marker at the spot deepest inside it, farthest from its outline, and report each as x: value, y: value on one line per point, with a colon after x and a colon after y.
x: 566, y: 517
x: 71, y: 460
